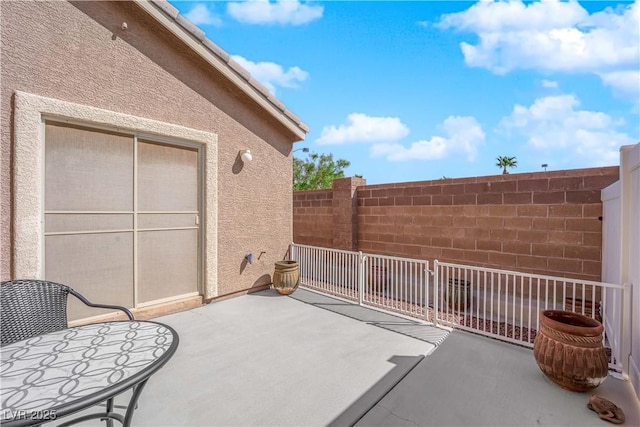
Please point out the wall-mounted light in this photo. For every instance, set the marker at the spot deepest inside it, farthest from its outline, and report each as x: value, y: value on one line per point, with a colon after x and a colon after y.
x: 246, y: 156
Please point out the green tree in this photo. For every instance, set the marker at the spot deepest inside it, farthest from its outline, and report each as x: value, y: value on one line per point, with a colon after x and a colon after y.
x: 318, y: 171
x: 505, y: 162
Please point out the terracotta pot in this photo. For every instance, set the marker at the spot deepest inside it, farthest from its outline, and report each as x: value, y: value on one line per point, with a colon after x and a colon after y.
x: 568, y: 349
x: 377, y: 279
x: 286, y: 277
x: 458, y: 294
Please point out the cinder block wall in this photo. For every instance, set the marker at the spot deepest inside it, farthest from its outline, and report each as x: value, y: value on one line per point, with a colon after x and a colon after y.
x: 545, y: 223
x: 313, y: 218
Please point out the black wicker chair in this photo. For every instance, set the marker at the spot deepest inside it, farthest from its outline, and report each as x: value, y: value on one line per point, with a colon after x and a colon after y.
x: 34, y: 307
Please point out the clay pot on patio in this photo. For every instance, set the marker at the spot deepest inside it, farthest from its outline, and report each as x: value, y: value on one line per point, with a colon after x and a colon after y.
x: 377, y: 279
x: 458, y: 294
x: 568, y: 349
x: 286, y: 277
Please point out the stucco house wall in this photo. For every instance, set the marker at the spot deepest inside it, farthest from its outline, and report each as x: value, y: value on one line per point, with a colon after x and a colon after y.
x: 78, y: 53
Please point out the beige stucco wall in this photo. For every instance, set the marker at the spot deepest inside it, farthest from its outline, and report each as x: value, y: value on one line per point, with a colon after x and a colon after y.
x: 76, y: 52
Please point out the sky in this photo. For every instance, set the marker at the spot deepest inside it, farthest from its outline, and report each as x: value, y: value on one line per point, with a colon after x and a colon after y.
x: 420, y: 90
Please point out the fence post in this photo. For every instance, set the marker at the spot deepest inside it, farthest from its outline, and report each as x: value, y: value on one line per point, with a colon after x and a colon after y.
x: 427, y: 275
x: 625, y: 329
x: 361, y: 259
x: 436, y: 296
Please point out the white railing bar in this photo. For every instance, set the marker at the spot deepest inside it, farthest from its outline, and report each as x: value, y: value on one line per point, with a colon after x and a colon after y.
x: 531, y: 275
x: 320, y: 292
x: 492, y: 299
x: 324, y: 249
x: 360, y: 278
x: 484, y: 300
x: 529, y: 312
x: 513, y: 302
x: 389, y: 257
x: 436, y: 285
x: 401, y: 315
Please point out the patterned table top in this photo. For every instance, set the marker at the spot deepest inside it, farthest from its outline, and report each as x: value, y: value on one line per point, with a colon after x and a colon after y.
x: 50, y: 371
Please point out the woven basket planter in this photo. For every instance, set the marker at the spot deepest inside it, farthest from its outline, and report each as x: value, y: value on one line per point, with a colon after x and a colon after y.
x: 286, y: 277
x: 568, y: 349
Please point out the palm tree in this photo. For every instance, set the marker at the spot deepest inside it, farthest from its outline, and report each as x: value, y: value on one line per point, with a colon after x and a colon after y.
x: 505, y: 162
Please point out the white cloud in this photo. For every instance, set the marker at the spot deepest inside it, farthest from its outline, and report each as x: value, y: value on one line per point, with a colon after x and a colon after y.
x: 549, y: 84
x: 623, y: 81
x: 280, y: 12
x: 555, y: 124
x: 463, y: 136
x: 499, y: 16
x: 200, y: 14
x: 271, y: 74
x: 550, y: 36
x: 363, y: 128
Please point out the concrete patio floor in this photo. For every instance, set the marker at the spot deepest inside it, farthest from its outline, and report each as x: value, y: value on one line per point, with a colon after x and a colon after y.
x: 310, y: 360
x: 471, y: 380
x: 268, y: 360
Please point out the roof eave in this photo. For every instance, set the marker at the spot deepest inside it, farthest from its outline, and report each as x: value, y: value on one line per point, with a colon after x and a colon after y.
x: 196, y: 41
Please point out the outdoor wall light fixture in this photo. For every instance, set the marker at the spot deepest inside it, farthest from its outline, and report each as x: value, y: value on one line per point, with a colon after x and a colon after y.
x: 246, y: 156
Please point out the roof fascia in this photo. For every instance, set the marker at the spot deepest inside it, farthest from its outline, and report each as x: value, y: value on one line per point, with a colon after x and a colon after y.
x: 297, y: 129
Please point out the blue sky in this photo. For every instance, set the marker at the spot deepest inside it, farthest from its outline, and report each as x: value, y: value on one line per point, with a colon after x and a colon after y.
x: 417, y: 90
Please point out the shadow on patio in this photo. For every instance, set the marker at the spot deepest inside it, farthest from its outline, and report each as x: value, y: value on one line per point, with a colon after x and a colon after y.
x: 264, y: 359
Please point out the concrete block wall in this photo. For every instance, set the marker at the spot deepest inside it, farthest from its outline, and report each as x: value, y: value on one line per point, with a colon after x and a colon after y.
x: 345, y: 213
x: 545, y: 223
x: 313, y: 218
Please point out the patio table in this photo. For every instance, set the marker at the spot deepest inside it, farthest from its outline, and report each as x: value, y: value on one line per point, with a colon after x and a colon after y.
x: 61, y: 373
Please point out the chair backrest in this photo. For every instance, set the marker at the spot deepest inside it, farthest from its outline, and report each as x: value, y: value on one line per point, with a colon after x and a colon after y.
x: 31, y: 307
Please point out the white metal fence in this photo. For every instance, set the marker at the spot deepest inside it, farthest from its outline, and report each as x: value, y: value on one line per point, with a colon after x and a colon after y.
x: 506, y: 304
x: 497, y: 303
x: 332, y: 271
x: 395, y: 284
x: 389, y: 283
